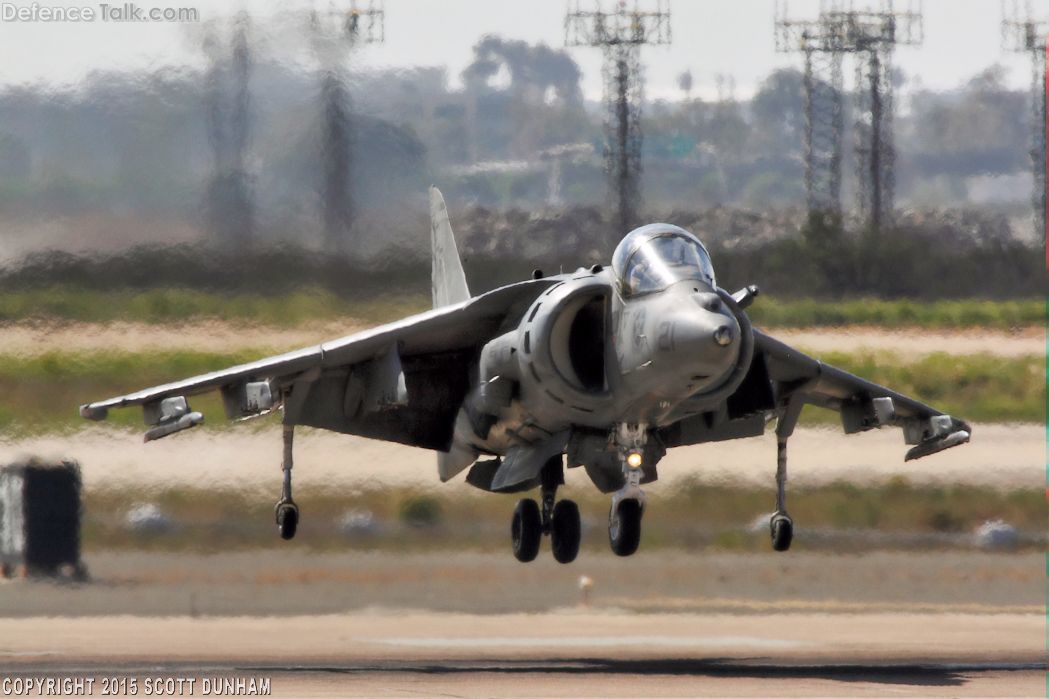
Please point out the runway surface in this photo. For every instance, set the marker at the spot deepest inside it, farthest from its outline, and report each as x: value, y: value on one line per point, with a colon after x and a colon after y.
x: 568, y: 652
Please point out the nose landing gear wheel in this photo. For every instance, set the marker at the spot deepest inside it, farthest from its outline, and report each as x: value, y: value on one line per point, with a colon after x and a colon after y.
x: 782, y: 530
x: 565, y: 531
x: 624, y: 528
x: 526, y: 530
x: 287, y: 519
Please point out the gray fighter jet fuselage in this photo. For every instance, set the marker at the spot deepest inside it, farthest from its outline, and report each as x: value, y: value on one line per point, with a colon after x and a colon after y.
x: 646, y: 343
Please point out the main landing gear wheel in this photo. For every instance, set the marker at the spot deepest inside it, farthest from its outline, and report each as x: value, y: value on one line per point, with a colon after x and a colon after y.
x: 526, y: 530
x: 782, y: 530
x: 565, y: 531
x: 287, y: 519
x: 624, y: 527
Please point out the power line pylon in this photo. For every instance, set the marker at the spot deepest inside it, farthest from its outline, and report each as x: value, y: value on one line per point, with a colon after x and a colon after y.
x: 873, y: 36
x: 620, y: 34
x: 824, y: 111
x: 1024, y: 34
x: 335, y: 33
x: 229, y: 204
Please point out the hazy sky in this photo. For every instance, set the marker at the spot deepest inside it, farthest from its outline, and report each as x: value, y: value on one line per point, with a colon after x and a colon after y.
x: 711, y: 38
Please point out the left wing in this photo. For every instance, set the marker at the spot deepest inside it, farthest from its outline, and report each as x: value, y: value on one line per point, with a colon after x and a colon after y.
x: 401, y: 382
x: 799, y: 379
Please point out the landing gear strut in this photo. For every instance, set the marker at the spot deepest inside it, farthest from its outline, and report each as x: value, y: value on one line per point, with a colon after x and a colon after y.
x: 286, y: 511
x: 558, y: 519
x: 781, y: 526
x: 628, y: 503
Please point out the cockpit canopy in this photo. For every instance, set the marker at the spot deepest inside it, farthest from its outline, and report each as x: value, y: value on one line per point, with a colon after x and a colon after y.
x: 653, y: 257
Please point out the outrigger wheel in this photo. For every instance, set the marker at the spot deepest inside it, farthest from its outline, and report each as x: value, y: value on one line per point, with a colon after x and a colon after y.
x: 287, y: 514
x: 782, y: 530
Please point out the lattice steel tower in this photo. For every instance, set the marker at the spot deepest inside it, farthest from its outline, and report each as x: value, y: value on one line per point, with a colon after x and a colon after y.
x: 873, y: 36
x: 229, y: 205
x: 620, y: 34
x: 1022, y: 33
x: 335, y: 33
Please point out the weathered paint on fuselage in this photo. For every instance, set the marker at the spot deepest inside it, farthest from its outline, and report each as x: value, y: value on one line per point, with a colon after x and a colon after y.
x: 659, y: 352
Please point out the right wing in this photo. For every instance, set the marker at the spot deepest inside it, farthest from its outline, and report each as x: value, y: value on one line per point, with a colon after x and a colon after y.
x: 863, y: 404
x: 782, y: 379
x: 401, y: 382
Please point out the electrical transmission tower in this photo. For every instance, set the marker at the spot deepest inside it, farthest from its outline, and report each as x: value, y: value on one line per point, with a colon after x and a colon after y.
x: 1022, y: 33
x: 872, y: 35
x: 335, y: 33
x: 229, y: 204
x: 824, y: 111
x: 620, y: 34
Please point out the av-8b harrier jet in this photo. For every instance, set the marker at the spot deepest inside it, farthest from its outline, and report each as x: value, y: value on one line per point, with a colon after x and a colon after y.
x: 601, y: 368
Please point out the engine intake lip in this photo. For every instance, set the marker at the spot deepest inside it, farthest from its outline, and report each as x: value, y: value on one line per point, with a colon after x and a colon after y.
x: 541, y: 362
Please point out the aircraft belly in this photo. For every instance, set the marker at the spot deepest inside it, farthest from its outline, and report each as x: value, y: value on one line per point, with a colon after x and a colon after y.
x: 525, y: 420
x: 515, y: 426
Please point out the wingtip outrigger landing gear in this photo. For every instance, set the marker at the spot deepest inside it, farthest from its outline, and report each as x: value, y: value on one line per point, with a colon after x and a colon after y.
x: 286, y: 511
x: 781, y: 526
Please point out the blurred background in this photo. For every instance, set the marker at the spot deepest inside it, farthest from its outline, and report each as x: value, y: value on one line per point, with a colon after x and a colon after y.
x: 178, y: 196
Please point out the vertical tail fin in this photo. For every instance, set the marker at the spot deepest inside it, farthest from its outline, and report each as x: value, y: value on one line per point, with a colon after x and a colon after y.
x: 449, y: 287
x: 449, y: 281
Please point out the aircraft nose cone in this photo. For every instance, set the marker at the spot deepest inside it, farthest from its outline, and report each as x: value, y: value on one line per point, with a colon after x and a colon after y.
x: 723, y: 336
x: 707, y: 342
